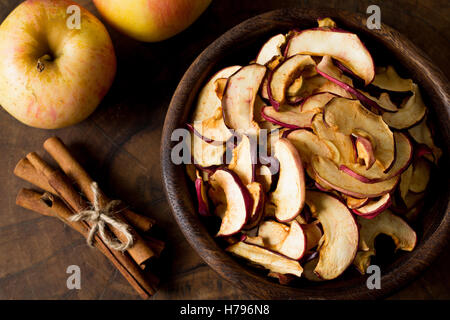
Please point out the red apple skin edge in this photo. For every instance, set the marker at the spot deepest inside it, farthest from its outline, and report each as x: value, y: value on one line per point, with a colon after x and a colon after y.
x: 274, y: 252
x: 361, y: 205
x: 331, y: 30
x: 369, y: 150
x: 275, y: 121
x: 357, y: 176
x: 296, y: 101
x: 368, y: 180
x: 207, y: 140
x: 202, y: 206
x: 248, y: 200
x: 321, y: 188
x: 304, y: 243
x: 364, y: 100
x: 259, y: 52
x: 315, y: 94
x: 351, y: 193
x: 346, y: 70
x: 259, y: 211
x: 376, y: 212
x: 422, y: 150
x: 273, y: 102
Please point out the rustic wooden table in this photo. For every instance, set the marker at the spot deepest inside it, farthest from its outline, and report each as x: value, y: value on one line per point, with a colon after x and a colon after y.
x: 119, y: 145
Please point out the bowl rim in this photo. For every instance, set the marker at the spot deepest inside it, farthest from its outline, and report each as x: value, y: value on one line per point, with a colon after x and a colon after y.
x: 194, y: 230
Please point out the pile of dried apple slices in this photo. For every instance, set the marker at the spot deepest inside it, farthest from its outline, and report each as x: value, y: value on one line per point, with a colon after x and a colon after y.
x: 309, y: 152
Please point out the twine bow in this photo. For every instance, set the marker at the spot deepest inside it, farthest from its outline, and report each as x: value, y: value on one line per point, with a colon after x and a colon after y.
x: 100, y: 217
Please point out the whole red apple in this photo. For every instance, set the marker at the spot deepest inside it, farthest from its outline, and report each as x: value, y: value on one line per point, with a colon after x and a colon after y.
x: 57, y: 62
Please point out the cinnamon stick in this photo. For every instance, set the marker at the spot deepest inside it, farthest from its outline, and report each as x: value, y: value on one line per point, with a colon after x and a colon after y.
x: 49, y: 205
x: 25, y: 170
x: 155, y: 244
x: 58, y: 150
x: 140, y: 251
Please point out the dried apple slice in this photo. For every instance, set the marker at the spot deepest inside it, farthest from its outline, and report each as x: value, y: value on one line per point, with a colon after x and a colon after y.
x: 264, y: 177
x: 202, y: 199
x: 208, y: 102
x: 317, y: 101
x: 326, y: 23
x: 403, y: 152
x: 308, y: 270
x: 319, y: 84
x: 405, y: 181
x: 347, y: 115
x: 374, y: 207
x: 420, y: 176
x: 219, y: 87
x: 275, y: 62
x: 206, y: 154
x: 388, y: 79
x: 269, y: 126
x: 239, y: 202
x: 313, y: 235
x: 335, y: 140
x: 329, y: 175
x: 284, y: 75
x: 191, y: 172
x: 421, y: 133
x: 259, y: 105
x: 273, y: 233
x: 386, y: 223
x: 291, y: 118
x: 289, y: 241
x: 355, y: 203
x: 205, y: 139
x: 412, y: 112
x: 218, y: 198
x: 253, y: 240
x: 270, y: 260
x: 328, y: 70
x: 308, y: 144
x: 294, y: 89
x: 341, y: 45
x: 288, y: 198
x: 264, y: 91
x: 294, y: 245
x: 412, y: 199
x: 239, y: 98
x: 340, y: 234
x: 243, y: 162
x: 384, y: 101
x: 258, y: 195
x: 213, y: 128
x: 365, y: 151
x: 271, y: 49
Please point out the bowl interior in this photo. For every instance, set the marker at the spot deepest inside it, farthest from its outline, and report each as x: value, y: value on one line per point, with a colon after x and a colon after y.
x: 239, y: 46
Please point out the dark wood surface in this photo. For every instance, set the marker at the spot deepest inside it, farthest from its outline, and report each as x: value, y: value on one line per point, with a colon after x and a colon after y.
x: 119, y: 144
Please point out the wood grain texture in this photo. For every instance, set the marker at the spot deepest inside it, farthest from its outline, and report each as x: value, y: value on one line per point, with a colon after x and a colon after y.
x: 119, y: 145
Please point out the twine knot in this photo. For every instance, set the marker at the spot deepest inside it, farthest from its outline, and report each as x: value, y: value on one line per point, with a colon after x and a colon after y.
x: 100, y: 217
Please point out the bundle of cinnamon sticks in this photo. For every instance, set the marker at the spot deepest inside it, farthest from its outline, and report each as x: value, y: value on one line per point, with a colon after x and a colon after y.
x: 62, y: 199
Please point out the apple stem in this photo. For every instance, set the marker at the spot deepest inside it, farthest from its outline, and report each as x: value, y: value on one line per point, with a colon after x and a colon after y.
x: 40, y: 62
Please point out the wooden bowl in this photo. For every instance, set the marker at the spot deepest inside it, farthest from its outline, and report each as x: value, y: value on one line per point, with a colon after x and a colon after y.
x: 240, y: 45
